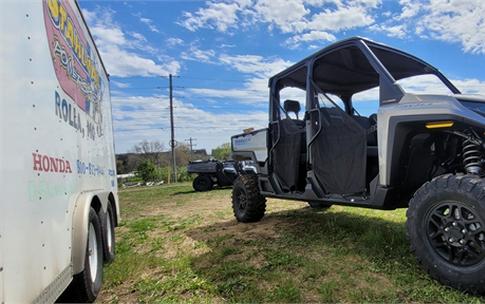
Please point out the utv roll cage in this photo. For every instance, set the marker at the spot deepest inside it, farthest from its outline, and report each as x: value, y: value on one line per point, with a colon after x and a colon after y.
x: 342, y: 69
x: 389, y: 64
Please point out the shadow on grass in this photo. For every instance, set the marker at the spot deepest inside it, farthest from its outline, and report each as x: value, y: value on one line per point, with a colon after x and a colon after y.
x: 372, y: 237
x: 308, y: 255
x: 193, y: 191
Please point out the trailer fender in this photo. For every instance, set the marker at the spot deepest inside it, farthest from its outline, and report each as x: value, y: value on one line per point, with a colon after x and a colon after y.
x: 80, y: 221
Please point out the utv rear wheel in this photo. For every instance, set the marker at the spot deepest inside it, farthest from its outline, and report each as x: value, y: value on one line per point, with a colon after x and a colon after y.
x: 319, y: 205
x: 446, y: 228
x: 247, y: 203
x: 202, y: 183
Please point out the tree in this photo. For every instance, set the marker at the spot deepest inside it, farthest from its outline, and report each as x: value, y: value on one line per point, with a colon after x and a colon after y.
x: 148, y: 171
x: 149, y: 150
x: 223, y: 152
x: 182, y: 154
x: 147, y: 147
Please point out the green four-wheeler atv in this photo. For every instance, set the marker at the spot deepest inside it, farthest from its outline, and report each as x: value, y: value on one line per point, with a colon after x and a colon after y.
x: 421, y: 152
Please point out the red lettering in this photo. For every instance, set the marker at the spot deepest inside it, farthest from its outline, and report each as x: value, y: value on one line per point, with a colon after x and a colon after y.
x: 37, y: 159
x: 62, y: 166
x: 53, y: 164
x: 68, y: 167
x: 45, y: 163
x: 50, y: 164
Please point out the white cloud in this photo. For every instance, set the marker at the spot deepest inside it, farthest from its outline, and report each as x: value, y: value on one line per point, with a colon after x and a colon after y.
x: 312, y: 36
x: 173, y: 41
x: 470, y: 86
x: 428, y: 84
x: 283, y: 14
x: 217, y: 15
x: 243, y: 95
x: 396, y: 31
x: 454, y: 21
x: 196, y: 54
x: 342, y: 18
x: 123, y: 63
x: 307, y: 20
x: 254, y: 90
x: 123, y: 53
x: 139, y: 117
x: 409, y: 8
x: 119, y: 84
x: 457, y: 21
x: 254, y: 64
x: 149, y: 23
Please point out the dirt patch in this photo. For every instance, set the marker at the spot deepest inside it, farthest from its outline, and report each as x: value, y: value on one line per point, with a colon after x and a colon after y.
x: 269, y: 228
x: 190, y: 208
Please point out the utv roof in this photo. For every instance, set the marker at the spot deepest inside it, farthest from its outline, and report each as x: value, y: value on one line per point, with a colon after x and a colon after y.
x: 343, y: 68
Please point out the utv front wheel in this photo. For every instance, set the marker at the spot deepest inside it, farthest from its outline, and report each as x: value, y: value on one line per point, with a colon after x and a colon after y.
x: 446, y: 227
x: 202, y: 183
x: 247, y: 203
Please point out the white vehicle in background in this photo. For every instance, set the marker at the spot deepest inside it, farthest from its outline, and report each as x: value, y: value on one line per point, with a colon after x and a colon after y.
x: 59, y: 202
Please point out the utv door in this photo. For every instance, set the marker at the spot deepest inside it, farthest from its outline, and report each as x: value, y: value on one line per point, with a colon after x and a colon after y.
x: 287, y: 155
x: 337, y: 148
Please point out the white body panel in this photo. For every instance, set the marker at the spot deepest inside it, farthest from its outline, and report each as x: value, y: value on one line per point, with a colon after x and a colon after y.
x: 56, y: 142
x: 252, y: 142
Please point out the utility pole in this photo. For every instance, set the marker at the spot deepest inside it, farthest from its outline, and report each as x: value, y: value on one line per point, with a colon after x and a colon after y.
x: 172, y: 133
x: 191, y: 145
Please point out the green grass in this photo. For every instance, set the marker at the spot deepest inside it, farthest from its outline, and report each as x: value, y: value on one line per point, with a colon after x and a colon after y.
x: 175, y: 245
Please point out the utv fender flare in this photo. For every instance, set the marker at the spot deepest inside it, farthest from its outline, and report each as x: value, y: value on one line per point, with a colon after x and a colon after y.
x: 396, y: 134
x: 80, y: 221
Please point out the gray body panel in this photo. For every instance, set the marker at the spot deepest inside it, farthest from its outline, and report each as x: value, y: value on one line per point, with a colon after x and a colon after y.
x: 417, y: 108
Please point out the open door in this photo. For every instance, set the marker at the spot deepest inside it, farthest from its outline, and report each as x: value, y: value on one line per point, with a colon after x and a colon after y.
x: 338, y: 143
x: 338, y: 150
x: 288, y: 133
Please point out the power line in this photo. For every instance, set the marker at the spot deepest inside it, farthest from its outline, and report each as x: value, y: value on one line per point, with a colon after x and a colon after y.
x: 212, y: 79
x: 190, y: 140
x: 166, y: 128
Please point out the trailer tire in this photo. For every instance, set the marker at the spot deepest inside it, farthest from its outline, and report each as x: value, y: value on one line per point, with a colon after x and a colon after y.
x: 202, y: 183
x: 445, y: 223
x: 319, y: 205
x: 109, y: 235
x: 84, y: 288
x: 247, y: 202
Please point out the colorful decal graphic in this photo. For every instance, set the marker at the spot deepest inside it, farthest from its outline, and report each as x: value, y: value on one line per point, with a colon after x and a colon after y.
x: 75, y: 63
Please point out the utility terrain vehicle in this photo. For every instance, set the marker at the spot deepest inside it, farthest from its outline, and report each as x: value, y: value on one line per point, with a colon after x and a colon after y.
x: 214, y: 172
x: 419, y: 151
x: 210, y: 173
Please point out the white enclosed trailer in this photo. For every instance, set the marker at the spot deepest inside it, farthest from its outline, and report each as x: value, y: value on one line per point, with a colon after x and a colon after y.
x: 59, y: 201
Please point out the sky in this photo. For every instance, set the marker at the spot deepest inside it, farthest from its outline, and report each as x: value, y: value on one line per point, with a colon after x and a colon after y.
x: 222, y: 53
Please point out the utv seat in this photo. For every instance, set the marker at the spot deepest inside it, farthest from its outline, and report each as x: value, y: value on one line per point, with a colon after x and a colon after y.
x: 291, y: 149
x: 369, y: 124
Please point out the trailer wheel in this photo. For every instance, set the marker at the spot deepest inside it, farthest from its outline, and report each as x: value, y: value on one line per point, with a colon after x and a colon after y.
x: 247, y: 202
x: 109, y: 233
x: 86, y: 285
x: 202, y: 183
x: 446, y: 228
x: 319, y: 205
